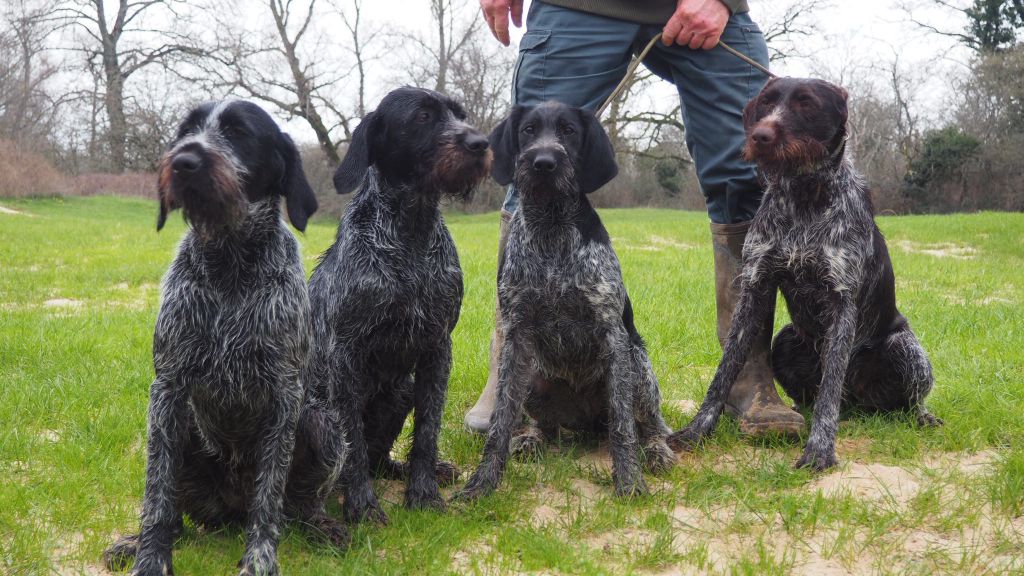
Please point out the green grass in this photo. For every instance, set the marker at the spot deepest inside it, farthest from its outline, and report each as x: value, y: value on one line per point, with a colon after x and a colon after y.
x: 79, y: 290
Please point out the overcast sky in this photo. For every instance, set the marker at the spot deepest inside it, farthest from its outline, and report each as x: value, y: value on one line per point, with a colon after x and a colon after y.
x: 859, y: 34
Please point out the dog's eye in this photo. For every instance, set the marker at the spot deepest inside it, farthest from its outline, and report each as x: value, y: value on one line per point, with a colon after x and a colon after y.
x: 423, y: 116
x: 528, y: 129
x: 804, y: 99
x: 568, y: 130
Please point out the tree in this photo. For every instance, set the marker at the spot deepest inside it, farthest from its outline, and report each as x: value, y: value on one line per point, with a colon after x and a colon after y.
x: 991, y: 25
x: 119, y: 45
x: 27, y: 111
x: 286, y: 68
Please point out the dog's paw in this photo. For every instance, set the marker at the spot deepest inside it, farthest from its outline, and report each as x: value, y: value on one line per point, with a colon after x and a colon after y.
x: 473, y: 490
x: 817, y: 459
x: 658, y: 457
x: 631, y: 488
x: 527, y: 446
x: 446, y: 473
x: 329, y: 531
x: 153, y: 566
x: 119, y: 556
x: 251, y: 568
x: 929, y: 420
x: 368, y: 509
x: 687, y: 439
x: 424, y: 500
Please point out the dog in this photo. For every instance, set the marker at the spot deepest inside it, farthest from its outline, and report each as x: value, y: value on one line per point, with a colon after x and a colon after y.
x: 815, y: 238
x: 572, y: 354
x: 386, y: 295
x: 227, y: 409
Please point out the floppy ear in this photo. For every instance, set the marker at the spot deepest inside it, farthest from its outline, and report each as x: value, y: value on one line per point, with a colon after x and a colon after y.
x: 504, y: 140
x: 597, y: 157
x: 359, y: 156
x: 750, y: 109
x: 163, y: 192
x: 298, y: 194
x: 838, y: 96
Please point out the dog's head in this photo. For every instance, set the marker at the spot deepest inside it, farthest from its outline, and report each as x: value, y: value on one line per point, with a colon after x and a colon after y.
x: 225, y: 156
x: 795, y: 124
x: 552, y: 149
x: 418, y: 137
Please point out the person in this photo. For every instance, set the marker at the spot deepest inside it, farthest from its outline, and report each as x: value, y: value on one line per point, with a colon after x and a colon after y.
x: 576, y: 52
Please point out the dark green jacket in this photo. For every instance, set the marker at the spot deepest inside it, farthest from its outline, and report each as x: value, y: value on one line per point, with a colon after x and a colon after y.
x: 642, y: 11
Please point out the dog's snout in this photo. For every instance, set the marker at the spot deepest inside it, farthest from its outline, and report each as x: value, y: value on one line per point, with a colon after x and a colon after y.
x: 544, y: 162
x: 476, y: 143
x: 763, y: 135
x: 186, y: 163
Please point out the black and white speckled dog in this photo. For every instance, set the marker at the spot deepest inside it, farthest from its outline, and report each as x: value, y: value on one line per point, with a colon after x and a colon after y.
x: 815, y: 238
x: 572, y: 355
x: 227, y: 406
x: 386, y: 295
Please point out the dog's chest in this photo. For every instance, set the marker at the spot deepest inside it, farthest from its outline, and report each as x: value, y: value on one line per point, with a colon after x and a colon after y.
x: 565, y: 301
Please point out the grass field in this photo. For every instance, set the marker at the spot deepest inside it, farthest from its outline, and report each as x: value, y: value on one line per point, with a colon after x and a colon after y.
x: 79, y: 290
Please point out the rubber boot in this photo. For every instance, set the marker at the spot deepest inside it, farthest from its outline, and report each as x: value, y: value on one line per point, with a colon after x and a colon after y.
x: 753, y: 399
x: 478, y: 419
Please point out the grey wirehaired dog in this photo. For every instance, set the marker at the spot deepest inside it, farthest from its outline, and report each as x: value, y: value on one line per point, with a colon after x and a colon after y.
x: 572, y: 355
x: 227, y: 409
x: 814, y: 237
x: 386, y: 295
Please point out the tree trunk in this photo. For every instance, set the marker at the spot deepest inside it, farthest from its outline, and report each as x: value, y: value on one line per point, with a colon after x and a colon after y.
x: 117, y: 131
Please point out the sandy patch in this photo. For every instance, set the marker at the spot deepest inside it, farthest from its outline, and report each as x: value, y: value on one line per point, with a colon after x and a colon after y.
x: 871, y: 482
x: 49, y: 436
x: 63, y: 303
x: 686, y: 407
x: 63, y: 556
x: 655, y: 244
x: 966, y: 462
x: 938, y: 250
x: 11, y: 211
x: 628, y: 539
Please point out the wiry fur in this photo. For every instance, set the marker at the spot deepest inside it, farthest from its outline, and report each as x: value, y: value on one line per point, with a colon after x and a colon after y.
x: 814, y: 237
x: 572, y: 355
x: 386, y: 295
x: 227, y: 408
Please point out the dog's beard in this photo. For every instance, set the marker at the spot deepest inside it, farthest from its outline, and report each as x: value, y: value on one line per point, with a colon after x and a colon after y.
x: 788, y: 155
x: 211, y: 202
x: 457, y: 172
x: 555, y: 187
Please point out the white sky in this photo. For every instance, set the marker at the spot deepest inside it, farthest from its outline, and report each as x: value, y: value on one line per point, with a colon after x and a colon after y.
x: 861, y: 34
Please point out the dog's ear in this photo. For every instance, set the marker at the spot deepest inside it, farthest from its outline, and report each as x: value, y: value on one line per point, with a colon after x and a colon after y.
x: 837, y: 97
x: 359, y: 156
x: 164, y: 196
x: 298, y: 194
x: 597, y: 157
x: 504, y: 140
x: 750, y: 109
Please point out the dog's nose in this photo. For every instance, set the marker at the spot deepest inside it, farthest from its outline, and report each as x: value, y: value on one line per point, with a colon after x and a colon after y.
x: 186, y: 163
x: 544, y: 163
x: 476, y: 143
x: 763, y: 135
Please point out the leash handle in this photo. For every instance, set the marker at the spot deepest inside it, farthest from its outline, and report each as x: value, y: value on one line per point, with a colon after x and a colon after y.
x: 635, y: 62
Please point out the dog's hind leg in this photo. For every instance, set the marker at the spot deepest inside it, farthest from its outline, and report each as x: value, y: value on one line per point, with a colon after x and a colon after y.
x: 275, y: 457
x: 896, y: 375
x: 651, y: 426
x: 383, y: 419
x: 796, y: 365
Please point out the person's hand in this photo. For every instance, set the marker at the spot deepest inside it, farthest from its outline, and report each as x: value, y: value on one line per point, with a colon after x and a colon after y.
x: 497, y: 13
x: 696, y: 23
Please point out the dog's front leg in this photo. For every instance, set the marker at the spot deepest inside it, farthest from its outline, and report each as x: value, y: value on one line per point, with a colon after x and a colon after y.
x: 820, y: 451
x: 430, y: 387
x: 514, y: 377
x: 755, y: 302
x: 168, y: 426
x: 622, y: 433
x: 360, y: 501
x: 275, y: 458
